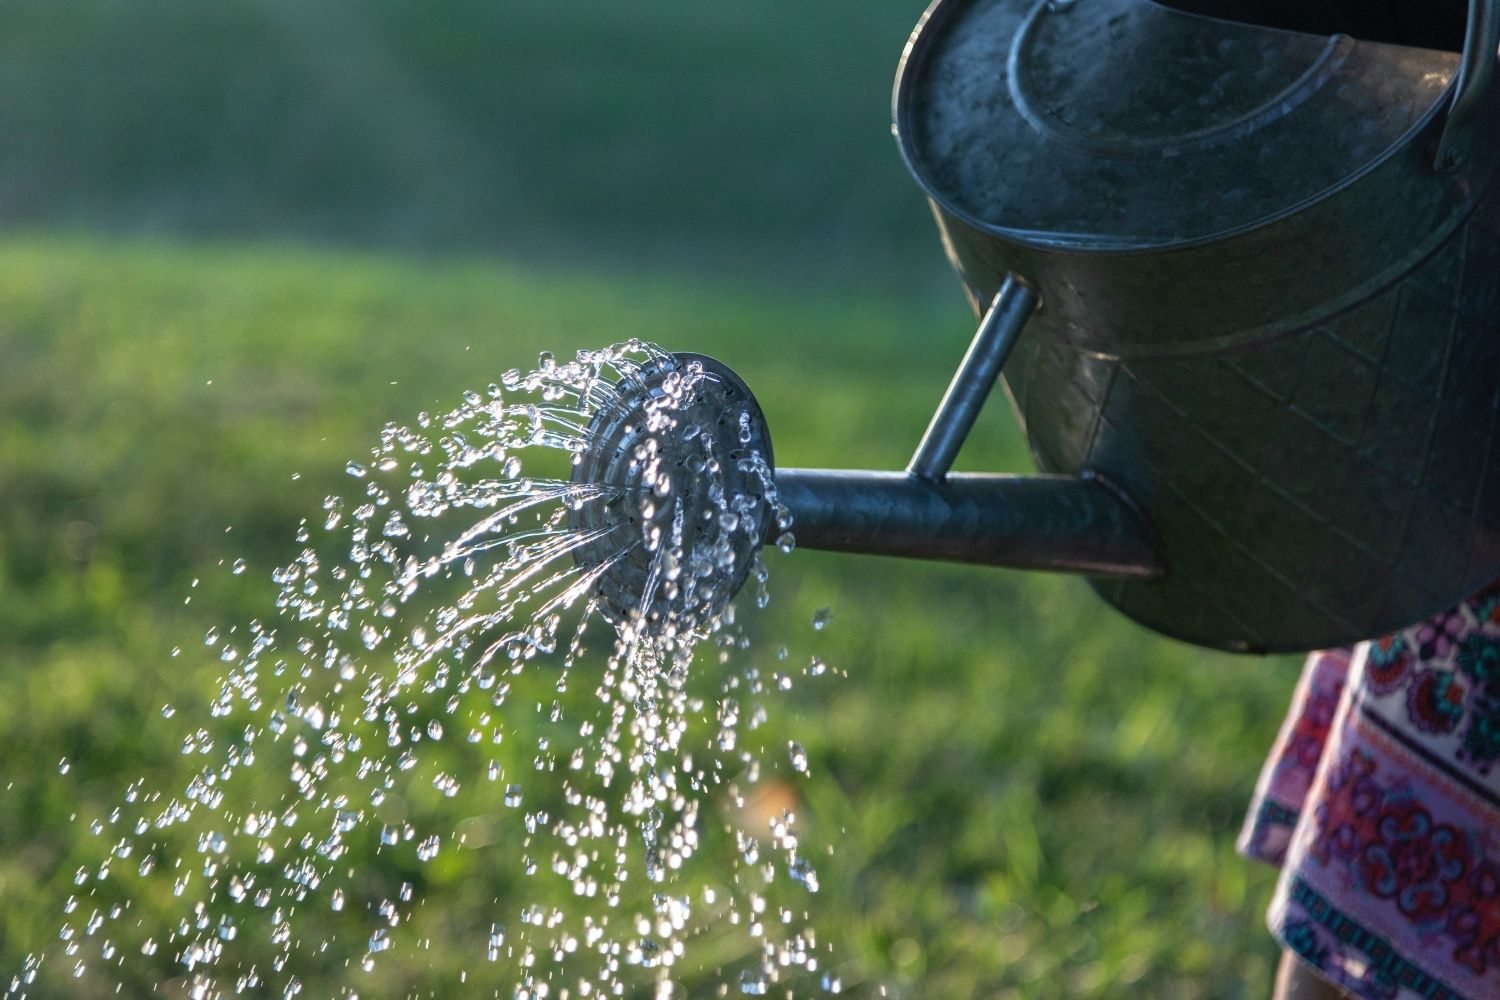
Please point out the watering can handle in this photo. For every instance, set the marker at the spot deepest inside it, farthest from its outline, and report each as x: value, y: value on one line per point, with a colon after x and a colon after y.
x: 1472, y: 84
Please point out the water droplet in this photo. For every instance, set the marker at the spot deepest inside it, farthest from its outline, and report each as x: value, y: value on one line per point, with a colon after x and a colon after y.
x: 754, y: 983
x: 798, y: 757
x: 821, y: 618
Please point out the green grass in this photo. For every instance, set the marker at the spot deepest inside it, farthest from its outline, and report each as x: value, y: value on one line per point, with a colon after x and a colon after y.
x: 1029, y: 795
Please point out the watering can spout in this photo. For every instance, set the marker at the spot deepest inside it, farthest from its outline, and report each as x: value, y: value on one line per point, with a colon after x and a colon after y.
x: 692, y: 413
x: 1078, y: 524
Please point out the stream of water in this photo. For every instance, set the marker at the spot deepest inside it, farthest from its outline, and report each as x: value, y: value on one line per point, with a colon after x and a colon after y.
x: 448, y: 700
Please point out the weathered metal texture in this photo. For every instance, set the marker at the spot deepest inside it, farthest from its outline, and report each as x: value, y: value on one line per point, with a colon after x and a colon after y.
x: 1264, y: 314
x: 1059, y: 523
x: 973, y: 382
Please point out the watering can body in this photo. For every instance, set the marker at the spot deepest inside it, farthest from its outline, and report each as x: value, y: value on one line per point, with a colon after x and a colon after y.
x: 1265, y: 268
x: 1243, y: 289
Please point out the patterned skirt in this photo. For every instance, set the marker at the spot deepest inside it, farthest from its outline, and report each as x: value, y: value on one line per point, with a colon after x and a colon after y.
x: 1380, y: 803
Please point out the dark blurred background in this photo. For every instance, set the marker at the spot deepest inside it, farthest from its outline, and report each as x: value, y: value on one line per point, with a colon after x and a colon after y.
x: 722, y: 138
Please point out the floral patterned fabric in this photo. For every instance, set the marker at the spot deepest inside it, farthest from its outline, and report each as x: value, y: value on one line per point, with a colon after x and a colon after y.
x: 1380, y: 803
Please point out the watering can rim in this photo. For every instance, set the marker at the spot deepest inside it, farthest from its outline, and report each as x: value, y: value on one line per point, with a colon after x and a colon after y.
x: 1472, y: 73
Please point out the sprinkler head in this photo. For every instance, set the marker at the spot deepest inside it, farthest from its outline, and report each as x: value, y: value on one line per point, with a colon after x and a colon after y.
x: 685, y: 455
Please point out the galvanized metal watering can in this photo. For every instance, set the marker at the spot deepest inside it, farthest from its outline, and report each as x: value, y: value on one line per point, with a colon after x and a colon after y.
x: 1244, y: 286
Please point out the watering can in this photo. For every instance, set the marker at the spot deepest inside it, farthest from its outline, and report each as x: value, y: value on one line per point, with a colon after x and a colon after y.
x: 1239, y: 267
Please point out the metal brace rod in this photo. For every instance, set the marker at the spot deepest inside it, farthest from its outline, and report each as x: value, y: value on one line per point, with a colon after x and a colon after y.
x: 971, y: 385
x: 1064, y: 524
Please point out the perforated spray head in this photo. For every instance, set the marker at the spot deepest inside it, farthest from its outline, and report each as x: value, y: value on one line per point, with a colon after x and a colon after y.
x: 686, y: 450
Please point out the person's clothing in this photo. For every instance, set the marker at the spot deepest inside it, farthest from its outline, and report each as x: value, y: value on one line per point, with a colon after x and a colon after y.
x: 1380, y: 803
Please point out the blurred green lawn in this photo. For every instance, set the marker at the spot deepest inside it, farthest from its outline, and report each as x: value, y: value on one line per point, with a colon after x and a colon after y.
x: 715, y: 137
x: 1029, y: 795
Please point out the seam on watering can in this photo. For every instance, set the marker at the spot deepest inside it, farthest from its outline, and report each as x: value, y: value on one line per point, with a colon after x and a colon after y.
x: 1310, y: 319
x: 1488, y: 464
x: 1294, y: 402
x: 1265, y: 477
x: 1098, y: 418
x: 1263, y: 471
x: 1417, y: 483
x: 1205, y: 593
x: 1475, y: 501
x: 1432, y: 423
x: 1015, y: 406
x: 1026, y: 383
x: 1296, y: 588
x: 1381, y: 627
x: 1148, y: 528
x: 1381, y: 370
x: 1249, y: 646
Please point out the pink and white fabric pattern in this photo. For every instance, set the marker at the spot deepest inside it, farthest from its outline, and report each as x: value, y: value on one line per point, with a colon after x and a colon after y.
x: 1380, y: 803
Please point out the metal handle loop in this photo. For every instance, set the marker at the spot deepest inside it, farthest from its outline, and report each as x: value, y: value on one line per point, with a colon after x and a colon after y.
x: 1471, y: 85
